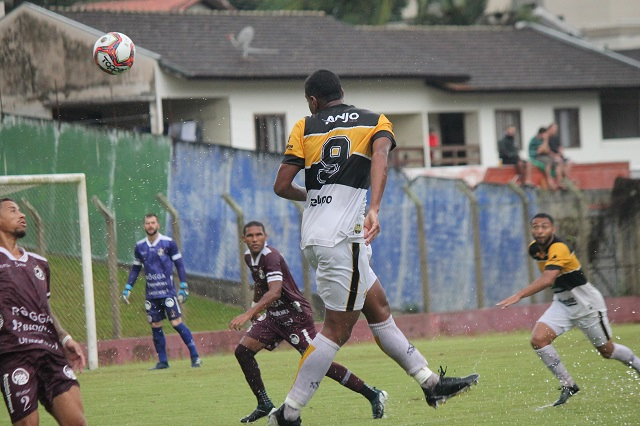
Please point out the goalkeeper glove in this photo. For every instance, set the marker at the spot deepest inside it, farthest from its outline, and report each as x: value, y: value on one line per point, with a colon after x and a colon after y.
x: 126, y: 292
x: 183, y: 294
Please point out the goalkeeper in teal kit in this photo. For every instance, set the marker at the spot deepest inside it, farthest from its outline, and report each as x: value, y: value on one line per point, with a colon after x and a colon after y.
x: 158, y: 253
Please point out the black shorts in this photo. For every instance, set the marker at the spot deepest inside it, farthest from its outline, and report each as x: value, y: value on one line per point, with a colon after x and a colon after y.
x: 510, y: 160
x: 298, y: 330
x: 32, y: 376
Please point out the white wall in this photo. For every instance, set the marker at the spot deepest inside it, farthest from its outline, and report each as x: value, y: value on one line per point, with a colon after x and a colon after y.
x: 413, y: 99
x: 596, y: 13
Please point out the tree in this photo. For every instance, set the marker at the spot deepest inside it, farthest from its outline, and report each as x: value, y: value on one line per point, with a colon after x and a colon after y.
x: 357, y: 12
x: 450, y: 12
x: 12, y: 4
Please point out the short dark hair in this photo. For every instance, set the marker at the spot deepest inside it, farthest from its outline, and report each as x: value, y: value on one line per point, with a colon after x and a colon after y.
x: 148, y: 215
x: 2, y: 200
x: 324, y: 85
x: 250, y: 224
x: 543, y: 216
x: 542, y: 130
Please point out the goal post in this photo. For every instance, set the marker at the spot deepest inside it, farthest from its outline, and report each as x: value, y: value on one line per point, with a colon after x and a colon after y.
x: 62, y: 225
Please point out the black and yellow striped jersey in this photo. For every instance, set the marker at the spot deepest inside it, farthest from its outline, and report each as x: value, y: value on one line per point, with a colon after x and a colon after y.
x: 334, y: 148
x: 559, y: 256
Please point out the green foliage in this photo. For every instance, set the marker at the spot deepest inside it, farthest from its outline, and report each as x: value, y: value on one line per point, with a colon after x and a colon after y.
x: 357, y: 12
x: 12, y: 4
x: 513, y: 385
x: 450, y: 12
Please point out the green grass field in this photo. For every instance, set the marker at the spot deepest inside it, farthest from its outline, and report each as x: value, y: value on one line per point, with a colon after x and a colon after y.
x: 513, y: 384
x: 67, y: 298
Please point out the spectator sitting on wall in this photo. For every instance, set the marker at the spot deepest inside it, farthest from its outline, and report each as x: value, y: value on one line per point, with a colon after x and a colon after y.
x: 557, y: 149
x: 540, y: 156
x: 508, y: 153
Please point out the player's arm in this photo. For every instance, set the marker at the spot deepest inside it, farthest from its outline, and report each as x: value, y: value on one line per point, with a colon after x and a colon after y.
x: 285, y: 187
x: 293, y: 162
x: 183, y: 294
x: 545, y: 280
x: 274, y: 293
x: 72, y: 349
x: 133, y: 276
x: 380, y: 153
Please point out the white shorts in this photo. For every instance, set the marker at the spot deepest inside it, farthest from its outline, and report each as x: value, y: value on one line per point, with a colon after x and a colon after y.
x: 583, y: 307
x: 343, y: 274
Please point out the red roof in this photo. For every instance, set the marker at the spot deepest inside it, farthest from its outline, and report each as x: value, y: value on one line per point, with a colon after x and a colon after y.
x: 141, y: 5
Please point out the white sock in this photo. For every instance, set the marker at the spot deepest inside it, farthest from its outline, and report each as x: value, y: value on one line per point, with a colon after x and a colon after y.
x: 394, y: 343
x: 551, y: 359
x: 626, y: 355
x: 314, y: 364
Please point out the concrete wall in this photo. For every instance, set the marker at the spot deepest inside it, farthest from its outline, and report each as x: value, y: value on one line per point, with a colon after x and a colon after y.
x: 417, y: 326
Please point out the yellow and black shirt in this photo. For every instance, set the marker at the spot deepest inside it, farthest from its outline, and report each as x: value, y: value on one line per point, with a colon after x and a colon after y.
x: 559, y: 256
x: 334, y: 148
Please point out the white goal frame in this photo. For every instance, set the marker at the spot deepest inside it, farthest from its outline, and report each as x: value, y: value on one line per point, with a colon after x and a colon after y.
x: 85, y: 246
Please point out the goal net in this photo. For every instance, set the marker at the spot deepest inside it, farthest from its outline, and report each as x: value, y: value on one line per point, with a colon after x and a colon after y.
x: 58, y: 229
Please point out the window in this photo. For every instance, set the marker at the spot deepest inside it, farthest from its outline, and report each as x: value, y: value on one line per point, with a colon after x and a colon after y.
x: 620, y: 114
x: 270, y: 133
x: 506, y: 118
x: 568, y: 120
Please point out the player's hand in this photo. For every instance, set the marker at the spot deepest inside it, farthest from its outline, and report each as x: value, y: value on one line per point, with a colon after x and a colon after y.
x: 371, y: 226
x: 511, y: 300
x: 125, y: 293
x: 75, y: 355
x: 183, y: 294
x: 239, y: 321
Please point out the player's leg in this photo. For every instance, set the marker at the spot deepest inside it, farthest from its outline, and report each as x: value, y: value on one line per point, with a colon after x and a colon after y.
x: 317, y: 359
x: 32, y: 419
x: 59, y: 390
x: 376, y: 397
x: 20, y: 389
x: 67, y: 408
x: 394, y: 343
x: 172, y: 308
x: 302, y: 334
x: 245, y: 353
x: 598, y: 331
x: 553, y: 323
x: 155, y: 314
x: 340, y: 289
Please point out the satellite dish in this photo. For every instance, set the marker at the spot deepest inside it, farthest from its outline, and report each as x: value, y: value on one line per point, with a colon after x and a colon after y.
x: 242, y: 42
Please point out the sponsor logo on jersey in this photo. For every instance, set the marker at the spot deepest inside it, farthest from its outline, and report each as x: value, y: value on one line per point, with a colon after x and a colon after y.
x: 5, y: 265
x: 20, y: 376
x: 344, y: 117
x: 7, y: 393
x: 295, y: 339
x: 568, y: 302
x: 68, y: 371
x: 279, y: 313
x: 155, y: 277
x: 33, y: 316
x: 319, y: 200
x: 160, y: 252
x: 169, y: 302
x: 39, y: 273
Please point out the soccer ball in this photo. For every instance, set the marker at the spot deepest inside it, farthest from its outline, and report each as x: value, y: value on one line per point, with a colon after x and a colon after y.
x: 113, y: 53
